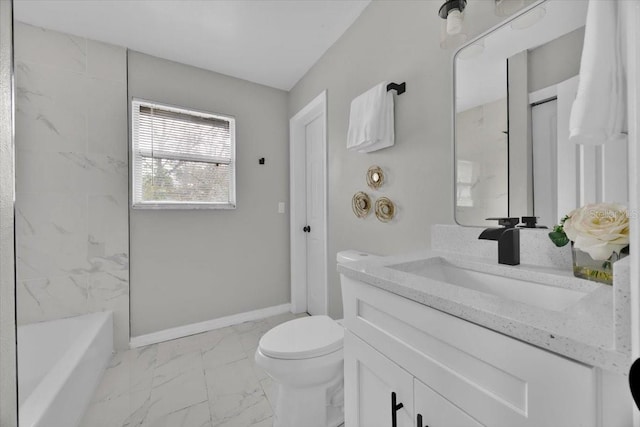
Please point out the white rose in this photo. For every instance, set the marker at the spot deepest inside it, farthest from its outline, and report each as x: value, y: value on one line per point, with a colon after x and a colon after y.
x: 599, y: 229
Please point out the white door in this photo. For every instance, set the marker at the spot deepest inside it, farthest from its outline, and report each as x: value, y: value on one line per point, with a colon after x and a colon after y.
x: 315, y: 161
x: 308, y: 190
x: 373, y: 384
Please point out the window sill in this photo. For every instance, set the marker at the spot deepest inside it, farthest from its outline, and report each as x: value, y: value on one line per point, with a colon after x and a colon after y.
x: 183, y: 206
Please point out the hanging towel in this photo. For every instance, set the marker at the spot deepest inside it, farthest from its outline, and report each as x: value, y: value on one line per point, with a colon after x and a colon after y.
x: 599, y: 112
x: 371, y: 120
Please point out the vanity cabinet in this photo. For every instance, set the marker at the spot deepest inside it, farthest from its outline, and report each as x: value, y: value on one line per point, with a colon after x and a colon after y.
x: 454, y: 373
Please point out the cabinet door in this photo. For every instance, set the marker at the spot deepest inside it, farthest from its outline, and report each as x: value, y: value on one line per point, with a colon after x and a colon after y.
x: 370, y: 379
x: 436, y: 411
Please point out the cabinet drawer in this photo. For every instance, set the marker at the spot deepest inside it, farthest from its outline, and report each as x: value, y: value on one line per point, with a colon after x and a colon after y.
x: 499, y: 381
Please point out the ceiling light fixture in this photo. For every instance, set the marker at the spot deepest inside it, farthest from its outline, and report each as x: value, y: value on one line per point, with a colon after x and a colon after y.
x: 453, y: 32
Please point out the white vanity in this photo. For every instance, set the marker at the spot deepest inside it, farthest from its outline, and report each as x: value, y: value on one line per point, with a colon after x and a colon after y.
x: 459, y: 340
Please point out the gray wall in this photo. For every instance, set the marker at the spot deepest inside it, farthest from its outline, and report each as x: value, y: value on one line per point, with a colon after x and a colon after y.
x: 196, y: 265
x: 397, y: 41
x: 556, y: 61
x: 71, y: 178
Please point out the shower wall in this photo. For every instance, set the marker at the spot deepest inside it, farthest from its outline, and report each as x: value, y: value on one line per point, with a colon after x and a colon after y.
x: 71, y: 178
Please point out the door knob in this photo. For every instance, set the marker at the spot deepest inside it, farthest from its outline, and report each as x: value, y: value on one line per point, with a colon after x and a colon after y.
x: 306, y: 229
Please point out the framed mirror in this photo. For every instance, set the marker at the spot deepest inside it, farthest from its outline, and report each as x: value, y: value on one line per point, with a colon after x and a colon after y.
x: 513, y: 91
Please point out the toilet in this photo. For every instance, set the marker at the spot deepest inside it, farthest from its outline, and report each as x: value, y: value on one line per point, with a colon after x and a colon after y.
x: 305, y: 359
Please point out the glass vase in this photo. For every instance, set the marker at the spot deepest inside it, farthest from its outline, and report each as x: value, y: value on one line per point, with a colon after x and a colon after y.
x: 588, y: 268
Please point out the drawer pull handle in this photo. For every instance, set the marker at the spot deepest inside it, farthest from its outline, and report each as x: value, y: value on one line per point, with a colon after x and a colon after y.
x: 395, y: 407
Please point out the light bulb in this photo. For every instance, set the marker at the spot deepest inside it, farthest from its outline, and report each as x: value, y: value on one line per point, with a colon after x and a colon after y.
x: 454, y: 22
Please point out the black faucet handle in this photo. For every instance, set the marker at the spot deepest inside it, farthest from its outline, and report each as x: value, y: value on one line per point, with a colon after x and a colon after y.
x: 506, y: 222
x: 531, y: 222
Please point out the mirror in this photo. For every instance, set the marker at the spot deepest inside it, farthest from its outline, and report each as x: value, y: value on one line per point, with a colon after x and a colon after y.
x: 514, y: 88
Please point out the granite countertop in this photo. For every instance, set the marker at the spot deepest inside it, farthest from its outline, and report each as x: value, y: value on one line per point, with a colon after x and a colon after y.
x: 583, y: 331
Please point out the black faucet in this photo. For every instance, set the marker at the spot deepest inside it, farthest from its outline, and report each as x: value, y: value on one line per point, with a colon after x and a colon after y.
x: 508, y: 237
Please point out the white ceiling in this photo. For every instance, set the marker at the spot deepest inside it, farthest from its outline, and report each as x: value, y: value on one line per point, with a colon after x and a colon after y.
x: 264, y: 41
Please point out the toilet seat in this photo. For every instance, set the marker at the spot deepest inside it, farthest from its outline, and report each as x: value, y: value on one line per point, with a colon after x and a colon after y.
x: 303, y: 338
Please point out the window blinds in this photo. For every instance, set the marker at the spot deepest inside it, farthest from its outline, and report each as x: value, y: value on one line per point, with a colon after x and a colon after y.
x: 182, y: 157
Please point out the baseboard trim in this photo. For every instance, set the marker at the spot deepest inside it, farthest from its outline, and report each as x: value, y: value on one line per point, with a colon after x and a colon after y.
x: 208, y: 325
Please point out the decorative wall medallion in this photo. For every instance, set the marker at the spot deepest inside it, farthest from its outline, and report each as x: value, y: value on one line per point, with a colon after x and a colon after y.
x: 385, y: 209
x: 361, y: 204
x: 375, y: 177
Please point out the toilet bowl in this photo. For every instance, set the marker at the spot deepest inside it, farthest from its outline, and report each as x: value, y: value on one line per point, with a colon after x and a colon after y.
x: 305, y: 359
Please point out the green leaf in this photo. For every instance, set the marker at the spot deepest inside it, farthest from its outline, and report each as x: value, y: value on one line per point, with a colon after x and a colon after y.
x: 559, y: 238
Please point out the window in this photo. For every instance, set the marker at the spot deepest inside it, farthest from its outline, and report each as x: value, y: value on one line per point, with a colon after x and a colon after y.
x: 182, y: 158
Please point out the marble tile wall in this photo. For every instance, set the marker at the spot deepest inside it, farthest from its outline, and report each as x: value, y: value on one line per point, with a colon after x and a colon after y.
x: 71, y: 178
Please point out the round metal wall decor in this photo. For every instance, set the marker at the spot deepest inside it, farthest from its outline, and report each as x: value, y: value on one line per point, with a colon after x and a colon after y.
x: 361, y: 204
x: 375, y: 177
x: 385, y: 209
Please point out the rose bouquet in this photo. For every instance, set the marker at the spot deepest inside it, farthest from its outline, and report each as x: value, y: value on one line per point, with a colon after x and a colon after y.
x: 600, y: 236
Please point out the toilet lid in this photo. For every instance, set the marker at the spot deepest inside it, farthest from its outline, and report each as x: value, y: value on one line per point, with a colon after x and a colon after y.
x: 303, y: 338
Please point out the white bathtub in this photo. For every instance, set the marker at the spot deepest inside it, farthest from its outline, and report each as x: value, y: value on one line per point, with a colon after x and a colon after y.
x: 60, y: 364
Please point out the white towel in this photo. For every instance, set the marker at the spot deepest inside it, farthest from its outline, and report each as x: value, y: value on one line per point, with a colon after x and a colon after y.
x: 599, y: 113
x: 371, y: 120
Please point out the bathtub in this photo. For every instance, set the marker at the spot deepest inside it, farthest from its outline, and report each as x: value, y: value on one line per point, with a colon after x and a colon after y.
x: 60, y: 364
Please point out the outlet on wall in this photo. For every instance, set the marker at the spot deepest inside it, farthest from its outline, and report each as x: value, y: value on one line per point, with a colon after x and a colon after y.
x: 280, y: 207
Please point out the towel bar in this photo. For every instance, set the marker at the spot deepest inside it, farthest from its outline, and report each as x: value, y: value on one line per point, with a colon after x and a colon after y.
x: 399, y: 88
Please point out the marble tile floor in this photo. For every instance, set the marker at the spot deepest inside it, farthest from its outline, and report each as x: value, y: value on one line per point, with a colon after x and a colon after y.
x: 204, y: 380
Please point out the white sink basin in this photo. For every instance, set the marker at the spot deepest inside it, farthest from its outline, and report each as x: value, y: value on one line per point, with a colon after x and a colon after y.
x: 532, y: 293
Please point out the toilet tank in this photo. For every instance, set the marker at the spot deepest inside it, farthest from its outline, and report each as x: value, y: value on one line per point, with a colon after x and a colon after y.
x: 353, y: 255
